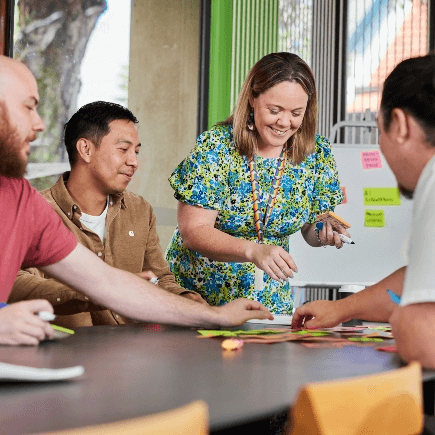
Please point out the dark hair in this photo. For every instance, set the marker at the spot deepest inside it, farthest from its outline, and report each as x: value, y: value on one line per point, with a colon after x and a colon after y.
x: 411, y: 87
x: 272, y: 69
x: 92, y: 122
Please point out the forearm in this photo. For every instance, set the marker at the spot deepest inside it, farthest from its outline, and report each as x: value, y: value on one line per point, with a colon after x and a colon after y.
x: 373, y: 303
x: 141, y: 300
x: 217, y: 245
x: 147, y: 302
x: 31, y: 284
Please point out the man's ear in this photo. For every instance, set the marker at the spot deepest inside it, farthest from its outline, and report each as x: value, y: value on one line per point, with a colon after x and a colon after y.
x: 84, y: 149
x: 399, y: 126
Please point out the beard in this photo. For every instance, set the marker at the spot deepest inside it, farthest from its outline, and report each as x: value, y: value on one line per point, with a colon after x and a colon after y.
x: 12, y: 165
x: 408, y: 194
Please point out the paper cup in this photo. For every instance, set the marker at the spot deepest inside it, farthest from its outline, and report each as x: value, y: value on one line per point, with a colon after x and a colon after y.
x: 348, y: 290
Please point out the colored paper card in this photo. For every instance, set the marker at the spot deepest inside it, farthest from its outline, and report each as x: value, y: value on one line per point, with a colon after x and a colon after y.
x: 381, y: 196
x: 374, y: 218
x: 224, y: 333
x: 343, y: 190
x: 371, y: 159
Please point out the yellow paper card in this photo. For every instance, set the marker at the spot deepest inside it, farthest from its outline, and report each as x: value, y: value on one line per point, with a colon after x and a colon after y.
x: 381, y: 196
x: 374, y: 218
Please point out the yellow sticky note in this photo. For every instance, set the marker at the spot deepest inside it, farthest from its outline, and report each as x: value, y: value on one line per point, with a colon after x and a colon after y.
x: 381, y: 196
x: 374, y: 218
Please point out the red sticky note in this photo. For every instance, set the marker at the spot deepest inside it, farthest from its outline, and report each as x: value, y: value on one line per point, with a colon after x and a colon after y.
x: 387, y: 348
x: 371, y: 159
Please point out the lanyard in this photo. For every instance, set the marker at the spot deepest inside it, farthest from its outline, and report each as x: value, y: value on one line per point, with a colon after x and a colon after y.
x: 260, y: 220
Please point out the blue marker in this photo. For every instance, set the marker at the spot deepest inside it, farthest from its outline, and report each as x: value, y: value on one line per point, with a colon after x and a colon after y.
x: 395, y: 298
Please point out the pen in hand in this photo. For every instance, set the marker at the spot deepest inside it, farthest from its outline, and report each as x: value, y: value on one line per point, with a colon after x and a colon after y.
x: 44, y: 315
x: 346, y: 239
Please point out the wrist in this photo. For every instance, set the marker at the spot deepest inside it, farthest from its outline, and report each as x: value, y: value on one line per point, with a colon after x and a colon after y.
x: 249, y: 251
x: 344, y: 309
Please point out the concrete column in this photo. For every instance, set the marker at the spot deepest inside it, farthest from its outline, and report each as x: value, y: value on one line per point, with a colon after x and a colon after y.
x: 163, y: 95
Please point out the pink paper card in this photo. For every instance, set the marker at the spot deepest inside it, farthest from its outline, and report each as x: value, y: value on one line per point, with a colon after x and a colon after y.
x: 371, y: 159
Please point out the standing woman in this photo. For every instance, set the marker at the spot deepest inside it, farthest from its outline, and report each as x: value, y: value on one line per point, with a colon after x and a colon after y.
x: 250, y: 182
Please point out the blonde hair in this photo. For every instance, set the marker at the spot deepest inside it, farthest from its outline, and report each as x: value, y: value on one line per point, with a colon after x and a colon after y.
x: 272, y: 69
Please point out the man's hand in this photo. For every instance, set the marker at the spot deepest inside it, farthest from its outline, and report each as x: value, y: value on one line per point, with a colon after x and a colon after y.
x: 317, y: 314
x: 147, y: 274
x: 239, y: 311
x: 19, y: 323
x: 194, y: 297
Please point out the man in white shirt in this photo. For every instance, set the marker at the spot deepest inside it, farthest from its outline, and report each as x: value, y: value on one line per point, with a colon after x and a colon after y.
x: 406, y: 125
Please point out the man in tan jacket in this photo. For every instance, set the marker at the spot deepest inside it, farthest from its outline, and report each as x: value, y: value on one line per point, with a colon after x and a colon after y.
x: 118, y: 226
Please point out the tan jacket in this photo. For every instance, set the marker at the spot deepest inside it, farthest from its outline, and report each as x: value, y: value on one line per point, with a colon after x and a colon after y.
x: 131, y: 244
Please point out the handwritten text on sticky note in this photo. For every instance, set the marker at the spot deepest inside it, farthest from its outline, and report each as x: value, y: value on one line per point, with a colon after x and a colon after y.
x: 381, y: 196
x: 371, y: 159
x: 374, y: 218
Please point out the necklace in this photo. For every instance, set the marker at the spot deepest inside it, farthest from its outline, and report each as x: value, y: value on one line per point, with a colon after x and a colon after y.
x: 261, y: 220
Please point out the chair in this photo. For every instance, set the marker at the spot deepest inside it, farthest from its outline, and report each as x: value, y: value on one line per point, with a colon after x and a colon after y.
x: 386, y: 403
x: 191, y: 419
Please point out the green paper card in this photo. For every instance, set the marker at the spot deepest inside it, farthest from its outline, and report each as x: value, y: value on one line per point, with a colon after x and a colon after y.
x: 381, y: 196
x: 374, y: 218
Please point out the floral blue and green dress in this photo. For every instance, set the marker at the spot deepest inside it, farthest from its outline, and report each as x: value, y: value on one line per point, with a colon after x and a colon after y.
x: 215, y: 176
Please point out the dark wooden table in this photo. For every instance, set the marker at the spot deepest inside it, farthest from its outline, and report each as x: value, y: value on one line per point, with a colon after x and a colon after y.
x: 135, y: 370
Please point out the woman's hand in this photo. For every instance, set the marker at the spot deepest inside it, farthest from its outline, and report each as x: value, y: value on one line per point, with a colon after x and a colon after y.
x: 330, y: 237
x: 274, y: 260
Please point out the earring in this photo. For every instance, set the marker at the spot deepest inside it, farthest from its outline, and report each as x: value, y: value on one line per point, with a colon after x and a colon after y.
x: 251, y: 120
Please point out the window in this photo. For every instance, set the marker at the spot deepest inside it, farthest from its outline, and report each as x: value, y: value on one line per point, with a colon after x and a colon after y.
x: 380, y: 35
x: 79, y: 53
x: 351, y: 46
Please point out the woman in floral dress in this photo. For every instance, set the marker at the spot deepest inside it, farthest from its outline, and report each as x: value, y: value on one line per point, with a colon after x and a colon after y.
x: 250, y: 182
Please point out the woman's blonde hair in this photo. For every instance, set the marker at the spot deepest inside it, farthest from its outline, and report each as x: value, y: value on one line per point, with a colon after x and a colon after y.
x: 272, y: 69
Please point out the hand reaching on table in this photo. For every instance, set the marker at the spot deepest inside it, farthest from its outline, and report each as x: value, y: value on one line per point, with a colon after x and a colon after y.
x: 19, y: 323
x: 274, y: 260
x: 318, y: 314
x: 239, y: 311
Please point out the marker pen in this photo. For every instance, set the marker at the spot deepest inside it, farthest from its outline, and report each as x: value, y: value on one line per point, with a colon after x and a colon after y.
x: 395, y: 298
x: 346, y: 239
x: 154, y: 281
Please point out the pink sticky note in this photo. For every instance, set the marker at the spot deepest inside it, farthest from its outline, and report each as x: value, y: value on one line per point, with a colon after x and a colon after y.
x: 371, y: 159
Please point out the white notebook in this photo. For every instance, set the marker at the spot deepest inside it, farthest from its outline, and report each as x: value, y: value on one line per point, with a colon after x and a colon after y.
x: 278, y: 319
x: 12, y: 372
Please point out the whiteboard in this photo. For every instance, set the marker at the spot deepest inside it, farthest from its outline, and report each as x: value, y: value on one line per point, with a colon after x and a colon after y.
x: 377, y: 251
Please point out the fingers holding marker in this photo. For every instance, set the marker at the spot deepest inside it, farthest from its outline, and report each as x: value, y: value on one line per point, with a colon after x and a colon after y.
x: 329, y: 236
